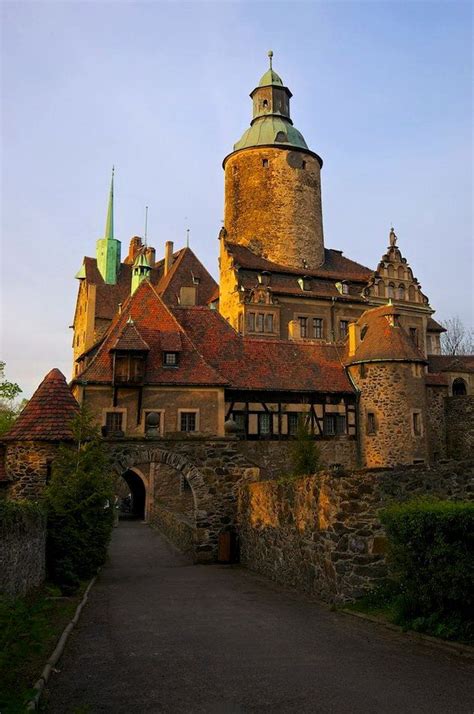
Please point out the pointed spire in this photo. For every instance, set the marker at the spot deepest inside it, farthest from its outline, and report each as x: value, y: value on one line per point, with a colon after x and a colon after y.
x: 109, y: 226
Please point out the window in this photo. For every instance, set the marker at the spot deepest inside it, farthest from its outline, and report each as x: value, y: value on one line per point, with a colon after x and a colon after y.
x: 265, y: 103
x: 401, y: 292
x: 239, y: 419
x: 264, y: 424
x: 362, y: 370
x: 401, y: 273
x: 260, y: 322
x: 265, y: 163
x: 345, y: 289
x: 381, y: 289
x: 412, y: 293
x: 391, y: 290
x: 293, y: 421
x: 334, y: 424
x: 129, y: 368
x: 269, y: 323
x: 343, y: 328
x: 318, y: 328
x: 459, y: 387
x: 414, y: 335
x: 188, y: 421
x: 170, y: 359
x: 303, y: 164
x: 416, y: 423
x: 303, y: 321
x: 371, y: 427
x: 251, y: 322
x: 304, y: 283
x: 113, y: 422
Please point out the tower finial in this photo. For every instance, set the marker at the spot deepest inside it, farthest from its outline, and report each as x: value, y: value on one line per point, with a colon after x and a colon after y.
x: 270, y: 57
x: 109, y: 226
x: 187, y: 237
x: 392, y: 237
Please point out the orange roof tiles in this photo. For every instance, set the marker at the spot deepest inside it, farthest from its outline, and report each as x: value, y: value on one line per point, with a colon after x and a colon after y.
x: 48, y: 414
x: 130, y: 340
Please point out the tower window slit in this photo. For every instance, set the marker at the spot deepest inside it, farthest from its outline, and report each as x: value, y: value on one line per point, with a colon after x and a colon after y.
x: 265, y: 163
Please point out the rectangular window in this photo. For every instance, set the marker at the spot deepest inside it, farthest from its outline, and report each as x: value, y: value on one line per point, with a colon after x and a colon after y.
x: 121, y: 369
x: 170, y: 359
x: 269, y: 323
x: 239, y: 419
x: 113, y: 422
x: 370, y: 423
x: 343, y: 328
x: 265, y: 163
x: 317, y: 328
x: 251, y: 322
x: 417, y: 423
x: 264, y: 424
x: 303, y: 326
x: 293, y: 420
x: 414, y: 335
x: 188, y: 421
x: 334, y: 424
x: 260, y: 322
x: 137, y: 369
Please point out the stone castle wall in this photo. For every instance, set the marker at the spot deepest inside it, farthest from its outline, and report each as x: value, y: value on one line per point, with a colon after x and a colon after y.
x: 22, y: 556
x: 436, y: 424
x: 274, y: 208
x: 460, y: 426
x: 28, y: 464
x: 322, y: 534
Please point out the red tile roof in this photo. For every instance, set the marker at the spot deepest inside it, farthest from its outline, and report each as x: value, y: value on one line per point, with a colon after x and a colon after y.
x: 260, y: 364
x: 451, y: 363
x: 161, y: 332
x: 381, y: 340
x: 185, y: 270
x: 281, y: 284
x: 130, y: 339
x: 48, y: 414
x: 335, y: 265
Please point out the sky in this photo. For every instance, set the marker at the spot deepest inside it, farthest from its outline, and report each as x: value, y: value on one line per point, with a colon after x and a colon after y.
x: 382, y: 91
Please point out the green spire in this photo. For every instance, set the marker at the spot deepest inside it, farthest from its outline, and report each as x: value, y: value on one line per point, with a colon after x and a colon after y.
x: 108, y: 248
x: 109, y: 226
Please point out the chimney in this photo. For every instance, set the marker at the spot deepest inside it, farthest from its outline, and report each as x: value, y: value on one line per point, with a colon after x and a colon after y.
x: 168, y: 256
x: 354, y: 338
x: 150, y: 254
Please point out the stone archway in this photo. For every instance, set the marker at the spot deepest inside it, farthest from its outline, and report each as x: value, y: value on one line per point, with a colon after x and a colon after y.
x: 207, y: 517
x: 138, y: 494
x: 459, y: 387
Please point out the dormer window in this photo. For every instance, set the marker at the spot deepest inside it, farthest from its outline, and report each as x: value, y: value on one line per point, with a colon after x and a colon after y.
x: 345, y: 288
x: 129, y: 368
x: 170, y: 359
x: 305, y: 282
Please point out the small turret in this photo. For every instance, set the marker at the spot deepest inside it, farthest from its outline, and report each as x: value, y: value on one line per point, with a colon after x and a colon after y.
x: 108, y: 248
x: 141, y: 270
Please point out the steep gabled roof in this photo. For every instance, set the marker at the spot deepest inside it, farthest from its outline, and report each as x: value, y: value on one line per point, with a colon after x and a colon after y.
x: 383, y: 338
x: 185, y: 270
x: 130, y: 339
x: 158, y: 328
x: 259, y: 364
x: 48, y: 414
x: 335, y: 266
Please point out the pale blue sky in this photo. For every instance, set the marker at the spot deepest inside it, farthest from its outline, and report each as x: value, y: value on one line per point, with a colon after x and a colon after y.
x: 382, y: 91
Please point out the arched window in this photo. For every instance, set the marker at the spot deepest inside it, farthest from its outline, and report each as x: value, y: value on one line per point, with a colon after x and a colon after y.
x: 401, y: 292
x: 391, y: 272
x: 381, y: 289
x: 401, y: 272
x: 459, y: 387
x: 391, y: 290
x: 265, y: 103
x: 412, y: 293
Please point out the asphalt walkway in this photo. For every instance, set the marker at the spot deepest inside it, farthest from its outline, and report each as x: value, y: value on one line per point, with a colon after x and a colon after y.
x: 162, y: 635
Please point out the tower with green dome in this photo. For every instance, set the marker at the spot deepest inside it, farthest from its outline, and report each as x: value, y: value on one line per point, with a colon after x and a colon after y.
x: 108, y: 248
x: 273, y: 183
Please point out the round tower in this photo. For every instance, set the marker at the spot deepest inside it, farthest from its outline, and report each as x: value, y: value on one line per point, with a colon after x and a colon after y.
x: 273, y: 184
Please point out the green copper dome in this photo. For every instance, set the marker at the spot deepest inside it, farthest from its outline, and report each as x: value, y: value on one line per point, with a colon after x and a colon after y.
x: 271, y: 130
x: 270, y: 77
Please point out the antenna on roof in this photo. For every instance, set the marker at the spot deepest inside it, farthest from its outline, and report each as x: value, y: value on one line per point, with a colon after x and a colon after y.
x: 146, y: 222
x: 187, y: 237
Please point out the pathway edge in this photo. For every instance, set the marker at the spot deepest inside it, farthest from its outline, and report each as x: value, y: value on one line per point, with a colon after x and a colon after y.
x: 32, y: 704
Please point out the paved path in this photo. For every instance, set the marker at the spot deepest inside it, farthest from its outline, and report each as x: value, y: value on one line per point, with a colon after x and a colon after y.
x: 161, y: 635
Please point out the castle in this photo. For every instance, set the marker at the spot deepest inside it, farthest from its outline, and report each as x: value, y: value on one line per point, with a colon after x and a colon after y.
x: 294, y: 330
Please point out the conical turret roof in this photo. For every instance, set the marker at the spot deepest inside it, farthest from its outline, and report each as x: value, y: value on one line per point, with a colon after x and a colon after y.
x: 48, y: 414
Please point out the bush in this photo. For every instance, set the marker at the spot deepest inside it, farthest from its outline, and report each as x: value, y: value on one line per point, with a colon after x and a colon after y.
x: 305, y: 454
x: 19, y: 514
x: 79, y: 502
x: 431, y: 554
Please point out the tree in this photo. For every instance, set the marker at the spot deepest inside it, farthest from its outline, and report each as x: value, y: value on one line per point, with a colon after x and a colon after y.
x: 79, y: 503
x: 9, y: 410
x: 457, y: 340
x: 305, y: 454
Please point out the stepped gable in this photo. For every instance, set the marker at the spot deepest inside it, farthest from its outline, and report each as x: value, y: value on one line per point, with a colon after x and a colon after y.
x: 335, y: 266
x: 259, y: 364
x: 48, y: 414
x: 130, y: 340
x: 160, y: 331
x: 451, y: 363
x: 383, y: 338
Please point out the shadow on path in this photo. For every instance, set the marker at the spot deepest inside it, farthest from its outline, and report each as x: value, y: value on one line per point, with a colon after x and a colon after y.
x: 162, y: 635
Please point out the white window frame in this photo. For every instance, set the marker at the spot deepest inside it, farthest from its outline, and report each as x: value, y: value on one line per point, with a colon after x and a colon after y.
x: 119, y: 410
x: 198, y: 420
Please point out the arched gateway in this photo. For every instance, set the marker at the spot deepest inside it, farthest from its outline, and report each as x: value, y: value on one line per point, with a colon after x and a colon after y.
x: 212, y: 473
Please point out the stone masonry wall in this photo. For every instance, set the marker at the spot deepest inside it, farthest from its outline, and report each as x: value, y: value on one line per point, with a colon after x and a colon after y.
x: 322, y: 534
x: 178, y: 528
x: 22, y: 556
x: 26, y: 464
x: 460, y: 426
x: 436, y: 423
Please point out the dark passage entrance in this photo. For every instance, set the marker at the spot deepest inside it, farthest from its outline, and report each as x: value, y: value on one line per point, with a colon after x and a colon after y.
x: 133, y: 505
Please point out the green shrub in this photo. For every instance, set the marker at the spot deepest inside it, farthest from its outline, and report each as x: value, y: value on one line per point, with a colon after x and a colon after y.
x: 431, y: 555
x: 79, y: 502
x: 304, y: 453
x: 19, y: 514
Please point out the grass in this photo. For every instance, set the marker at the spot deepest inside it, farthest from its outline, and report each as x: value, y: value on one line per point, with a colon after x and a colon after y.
x: 29, y: 630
